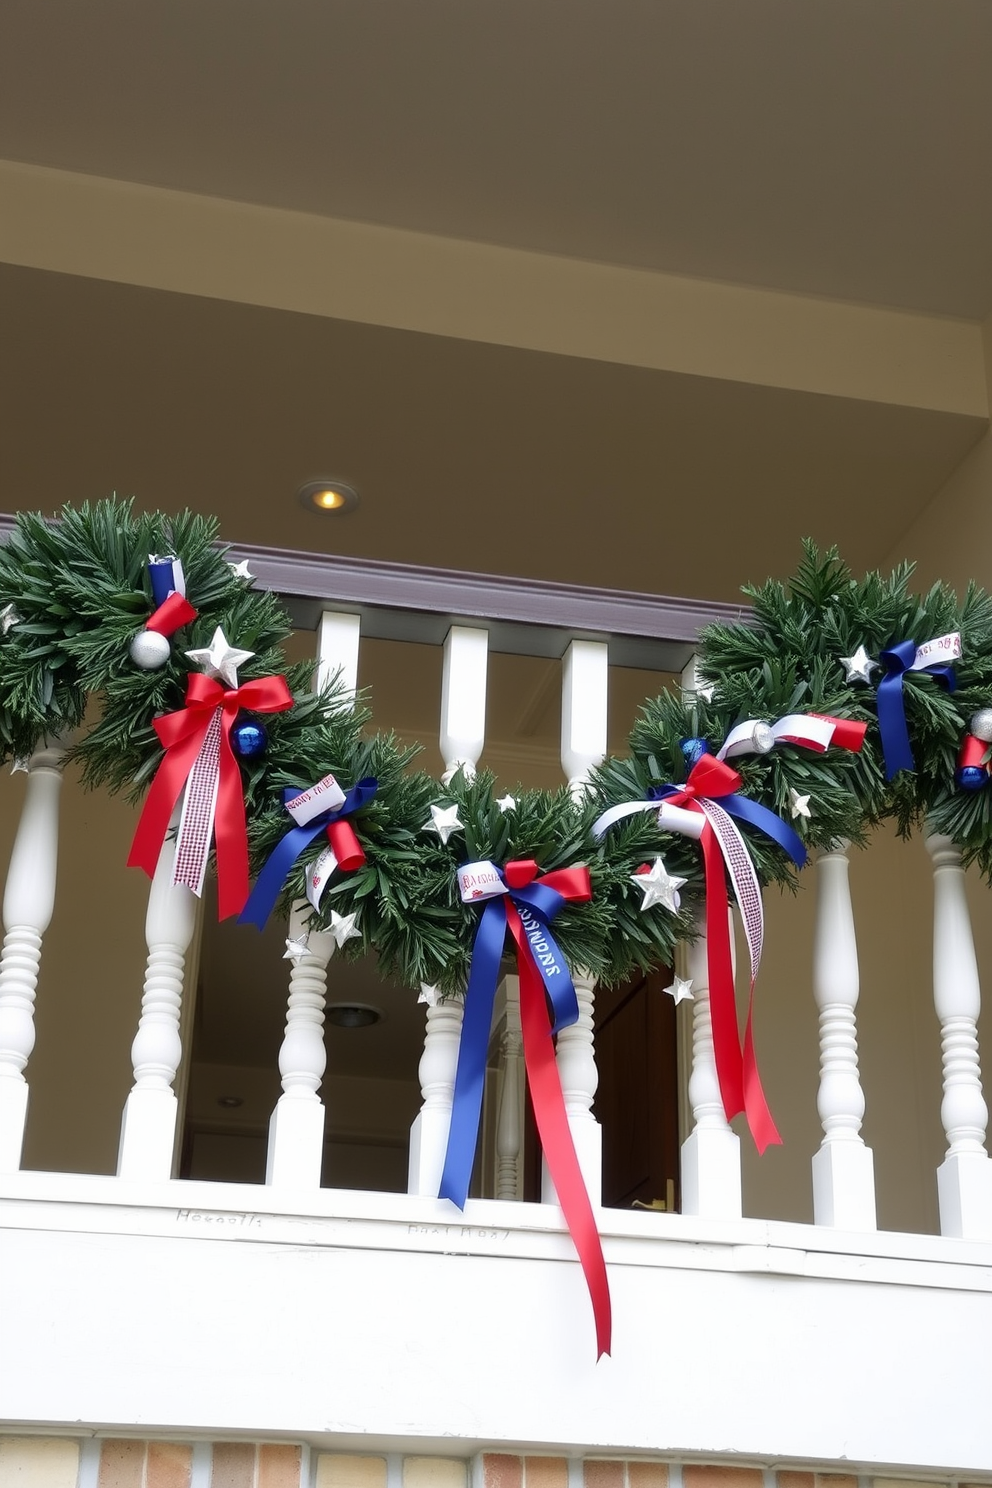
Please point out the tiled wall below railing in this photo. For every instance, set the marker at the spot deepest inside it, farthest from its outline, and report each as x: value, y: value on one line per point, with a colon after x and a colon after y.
x: 111, y: 1462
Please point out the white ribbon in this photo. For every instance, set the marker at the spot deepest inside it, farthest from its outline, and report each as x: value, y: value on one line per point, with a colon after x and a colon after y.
x: 326, y: 795
x: 934, y: 653
x: 318, y: 875
x: 756, y: 737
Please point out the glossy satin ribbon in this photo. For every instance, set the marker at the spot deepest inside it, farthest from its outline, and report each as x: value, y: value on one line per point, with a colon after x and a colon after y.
x: 339, y: 832
x: 181, y: 734
x: 525, y: 909
x: 898, y: 660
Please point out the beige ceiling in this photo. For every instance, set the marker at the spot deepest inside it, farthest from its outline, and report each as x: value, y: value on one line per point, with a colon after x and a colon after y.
x: 829, y: 147
x: 467, y: 455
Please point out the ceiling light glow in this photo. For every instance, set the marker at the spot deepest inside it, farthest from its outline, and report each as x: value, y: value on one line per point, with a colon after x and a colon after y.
x: 328, y: 496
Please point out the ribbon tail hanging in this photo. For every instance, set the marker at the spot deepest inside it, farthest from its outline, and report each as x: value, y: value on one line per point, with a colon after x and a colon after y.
x: 556, y: 1138
x: 470, y: 1072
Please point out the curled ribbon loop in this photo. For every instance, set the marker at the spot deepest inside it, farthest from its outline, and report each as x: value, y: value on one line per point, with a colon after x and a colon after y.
x: 899, y: 659
x: 344, y: 844
x: 171, y: 615
x: 183, y: 734
x: 517, y: 901
x: 704, y: 808
x: 816, y: 731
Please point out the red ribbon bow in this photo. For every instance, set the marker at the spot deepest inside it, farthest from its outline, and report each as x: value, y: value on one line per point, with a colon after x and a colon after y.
x: 182, y: 734
x: 736, y: 1066
x: 171, y: 615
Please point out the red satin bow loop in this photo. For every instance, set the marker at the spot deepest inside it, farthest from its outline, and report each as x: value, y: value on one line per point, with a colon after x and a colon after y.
x: 182, y: 735
x: 736, y: 1066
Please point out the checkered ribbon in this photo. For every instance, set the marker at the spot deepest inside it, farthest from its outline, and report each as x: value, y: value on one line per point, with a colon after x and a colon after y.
x: 198, y: 756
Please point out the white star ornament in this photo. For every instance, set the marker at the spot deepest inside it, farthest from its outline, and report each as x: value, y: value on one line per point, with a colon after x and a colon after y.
x: 342, y: 927
x: 680, y: 990
x: 658, y: 886
x: 798, y: 805
x: 444, y: 821
x: 220, y: 658
x: 859, y: 667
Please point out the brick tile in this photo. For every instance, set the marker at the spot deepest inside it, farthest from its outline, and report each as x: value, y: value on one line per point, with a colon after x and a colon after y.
x: 433, y: 1472
x: 169, y: 1465
x: 546, y: 1472
x: 500, y: 1470
x: 121, y: 1463
x: 715, y: 1475
x: 893, y: 1482
x: 795, y: 1480
x: 38, y: 1462
x: 836, y: 1480
x: 233, y: 1465
x: 338, y: 1470
x: 603, y: 1474
x: 650, y: 1475
x: 278, y: 1465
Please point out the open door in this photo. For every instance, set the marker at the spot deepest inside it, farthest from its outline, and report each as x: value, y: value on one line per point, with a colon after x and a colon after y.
x: 637, y: 1101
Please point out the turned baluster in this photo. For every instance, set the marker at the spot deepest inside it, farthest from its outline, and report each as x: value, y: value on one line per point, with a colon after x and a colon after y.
x: 429, y: 1133
x: 28, y: 903
x: 296, y: 1127
x: 148, y: 1128
x: 463, y: 700
x: 509, y: 1126
x: 843, y: 1168
x: 964, y: 1178
x: 584, y: 704
x: 711, y: 1154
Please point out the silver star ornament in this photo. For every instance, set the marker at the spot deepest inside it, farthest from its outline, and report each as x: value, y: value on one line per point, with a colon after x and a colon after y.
x: 444, y: 821
x: 296, y: 950
x: 680, y: 990
x: 241, y: 570
x: 10, y: 615
x: 220, y: 658
x: 429, y: 994
x: 506, y: 803
x: 342, y: 928
x: 798, y: 805
x: 658, y: 886
x: 859, y: 667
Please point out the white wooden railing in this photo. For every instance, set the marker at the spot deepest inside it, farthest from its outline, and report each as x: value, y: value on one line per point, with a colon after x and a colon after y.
x: 842, y: 1168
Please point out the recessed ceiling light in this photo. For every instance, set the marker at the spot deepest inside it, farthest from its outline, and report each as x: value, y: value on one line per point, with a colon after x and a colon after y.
x: 328, y: 496
x: 230, y: 1102
x: 353, y: 1014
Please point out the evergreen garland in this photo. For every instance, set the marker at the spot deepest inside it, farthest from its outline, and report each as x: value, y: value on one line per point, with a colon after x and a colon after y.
x: 793, y: 651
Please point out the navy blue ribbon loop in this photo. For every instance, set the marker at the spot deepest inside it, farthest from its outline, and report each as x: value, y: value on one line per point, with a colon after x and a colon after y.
x: 536, y: 904
x: 897, y: 751
x: 268, y: 885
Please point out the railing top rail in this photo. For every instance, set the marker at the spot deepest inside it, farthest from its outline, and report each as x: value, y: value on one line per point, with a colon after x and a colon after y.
x: 399, y: 601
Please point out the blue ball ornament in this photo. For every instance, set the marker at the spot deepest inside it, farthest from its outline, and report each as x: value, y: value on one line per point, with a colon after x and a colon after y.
x: 693, y: 751
x: 248, y: 738
x: 971, y: 777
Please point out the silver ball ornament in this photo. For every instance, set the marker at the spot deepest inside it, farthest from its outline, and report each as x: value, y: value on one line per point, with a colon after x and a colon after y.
x: 981, y: 725
x: 149, y: 650
x: 762, y: 738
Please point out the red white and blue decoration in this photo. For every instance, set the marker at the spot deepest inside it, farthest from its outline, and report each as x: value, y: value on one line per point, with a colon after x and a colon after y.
x: 518, y: 898
x: 150, y: 648
x: 932, y: 658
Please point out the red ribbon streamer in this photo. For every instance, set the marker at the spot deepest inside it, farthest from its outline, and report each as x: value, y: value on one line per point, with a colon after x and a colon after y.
x: 181, y: 735
x: 736, y: 1066
x: 546, y: 1093
x: 847, y: 733
x: 171, y: 615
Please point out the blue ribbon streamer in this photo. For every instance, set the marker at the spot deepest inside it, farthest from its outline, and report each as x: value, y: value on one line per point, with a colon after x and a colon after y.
x: 269, y: 883
x: 896, y: 748
x: 538, y: 903
x: 754, y: 814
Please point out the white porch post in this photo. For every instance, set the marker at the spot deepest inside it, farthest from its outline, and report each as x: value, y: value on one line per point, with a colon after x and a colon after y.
x: 964, y: 1178
x: 296, y: 1128
x: 28, y: 902
x: 843, y: 1168
x: 148, y: 1128
x: 463, y: 699
x: 711, y: 1154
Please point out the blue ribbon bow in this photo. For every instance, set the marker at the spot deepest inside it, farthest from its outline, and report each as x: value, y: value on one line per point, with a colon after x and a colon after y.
x: 752, y: 812
x: 897, y: 660
x: 537, y: 904
x: 285, y: 853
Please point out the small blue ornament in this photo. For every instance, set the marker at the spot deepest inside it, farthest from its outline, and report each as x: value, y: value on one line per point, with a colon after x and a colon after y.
x: 248, y: 738
x: 693, y: 751
x: 971, y: 777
